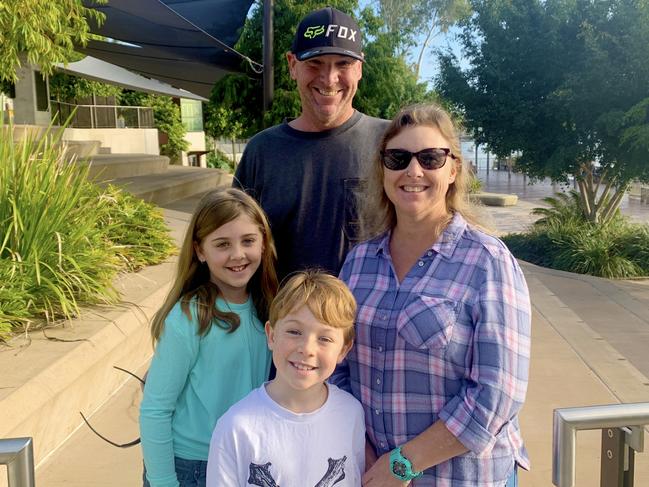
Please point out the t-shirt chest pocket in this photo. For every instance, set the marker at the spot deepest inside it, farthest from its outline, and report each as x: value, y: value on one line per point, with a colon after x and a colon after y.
x: 426, y: 323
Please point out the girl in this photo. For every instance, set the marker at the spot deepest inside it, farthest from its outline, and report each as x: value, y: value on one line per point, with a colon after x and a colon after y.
x: 210, y: 344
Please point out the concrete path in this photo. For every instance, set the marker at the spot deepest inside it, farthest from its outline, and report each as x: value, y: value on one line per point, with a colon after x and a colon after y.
x: 590, y: 343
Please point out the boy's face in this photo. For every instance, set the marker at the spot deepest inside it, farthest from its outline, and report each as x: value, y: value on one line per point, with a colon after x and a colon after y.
x: 305, y: 351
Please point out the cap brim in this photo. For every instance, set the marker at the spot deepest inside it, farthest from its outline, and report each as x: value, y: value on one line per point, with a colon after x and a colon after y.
x: 321, y: 51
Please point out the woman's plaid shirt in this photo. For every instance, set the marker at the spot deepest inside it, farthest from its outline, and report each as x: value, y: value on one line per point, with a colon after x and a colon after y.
x: 450, y: 342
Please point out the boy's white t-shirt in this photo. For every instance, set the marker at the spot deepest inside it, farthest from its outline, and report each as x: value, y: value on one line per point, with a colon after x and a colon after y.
x: 258, y: 442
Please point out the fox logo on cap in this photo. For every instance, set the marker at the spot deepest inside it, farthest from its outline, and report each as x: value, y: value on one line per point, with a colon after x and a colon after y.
x: 313, y: 31
x: 342, y: 32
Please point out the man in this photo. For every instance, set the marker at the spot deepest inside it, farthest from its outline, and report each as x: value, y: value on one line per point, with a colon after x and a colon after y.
x: 305, y: 172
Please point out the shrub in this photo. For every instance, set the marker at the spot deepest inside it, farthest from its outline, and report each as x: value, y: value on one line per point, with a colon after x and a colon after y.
x: 475, y: 185
x: 62, y: 239
x: 137, y: 229
x: 563, y: 239
x: 218, y: 160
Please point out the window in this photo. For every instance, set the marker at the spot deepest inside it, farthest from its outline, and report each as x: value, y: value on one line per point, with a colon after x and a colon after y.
x: 42, y: 101
x: 191, y: 113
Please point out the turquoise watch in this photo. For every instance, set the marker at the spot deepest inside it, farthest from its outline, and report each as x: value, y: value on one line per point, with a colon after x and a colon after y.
x: 401, y: 467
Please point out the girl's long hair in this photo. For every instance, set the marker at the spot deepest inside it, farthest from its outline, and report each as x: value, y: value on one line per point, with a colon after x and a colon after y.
x: 377, y: 212
x: 192, y: 282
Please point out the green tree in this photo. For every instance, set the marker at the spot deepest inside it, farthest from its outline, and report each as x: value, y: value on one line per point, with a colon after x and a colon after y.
x: 45, y: 31
x: 387, y: 84
x: 166, y: 115
x: 67, y: 88
x: 221, y: 122
x: 564, y: 86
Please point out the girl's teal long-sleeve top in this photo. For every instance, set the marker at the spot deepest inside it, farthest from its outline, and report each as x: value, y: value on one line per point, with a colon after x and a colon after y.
x: 192, y: 381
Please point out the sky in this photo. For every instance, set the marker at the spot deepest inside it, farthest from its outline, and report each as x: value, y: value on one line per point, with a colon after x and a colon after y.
x: 430, y: 68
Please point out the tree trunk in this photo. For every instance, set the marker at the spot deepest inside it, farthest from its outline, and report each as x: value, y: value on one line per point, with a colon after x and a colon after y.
x: 425, y: 45
x: 599, y: 207
x: 234, y: 155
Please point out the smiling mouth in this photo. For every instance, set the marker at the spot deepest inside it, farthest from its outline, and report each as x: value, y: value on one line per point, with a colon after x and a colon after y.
x: 302, y: 367
x: 413, y: 189
x: 238, y: 268
x: 327, y: 92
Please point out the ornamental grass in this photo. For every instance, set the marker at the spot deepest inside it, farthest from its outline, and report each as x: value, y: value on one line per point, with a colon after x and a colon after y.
x: 64, y: 239
x: 563, y: 239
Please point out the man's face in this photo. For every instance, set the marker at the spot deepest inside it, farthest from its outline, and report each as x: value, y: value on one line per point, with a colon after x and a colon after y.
x: 327, y: 85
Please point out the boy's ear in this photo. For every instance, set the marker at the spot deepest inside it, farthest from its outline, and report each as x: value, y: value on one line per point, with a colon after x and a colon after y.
x: 345, y: 351
x: 270, y: 334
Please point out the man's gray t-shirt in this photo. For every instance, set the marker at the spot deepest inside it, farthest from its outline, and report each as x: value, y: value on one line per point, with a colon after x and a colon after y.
x: 306, y: 182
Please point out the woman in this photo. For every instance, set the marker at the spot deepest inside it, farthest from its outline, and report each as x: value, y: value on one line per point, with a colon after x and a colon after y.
x: 443, y: 325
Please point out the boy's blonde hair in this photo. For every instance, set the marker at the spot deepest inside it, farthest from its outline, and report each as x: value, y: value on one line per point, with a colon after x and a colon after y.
x: 328, y: 298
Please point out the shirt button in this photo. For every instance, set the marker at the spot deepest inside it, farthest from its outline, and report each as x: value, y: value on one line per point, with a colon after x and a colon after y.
x: 378, y: 381
x: 384, y: 317
x: 377, y: 412
x: 421, y: 263
x: 429, y: 253
x: 380, y: 349
x: 382, y: 445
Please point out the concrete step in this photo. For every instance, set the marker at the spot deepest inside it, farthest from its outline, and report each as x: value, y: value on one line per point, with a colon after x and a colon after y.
x: 177, y: 183
x: 104, y: 167
x: 82, y: 149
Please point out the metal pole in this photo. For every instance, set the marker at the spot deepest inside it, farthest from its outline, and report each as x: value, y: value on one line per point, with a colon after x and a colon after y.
x: 268, y: 54
x: 18, y: 455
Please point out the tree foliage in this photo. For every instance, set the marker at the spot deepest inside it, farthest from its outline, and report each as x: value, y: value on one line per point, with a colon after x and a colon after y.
x: 166, y: 115
x: 45, y: 31
x: 67, y: 88
x: 564, y: 85
x: 416, y: 22
x: 387, y: 83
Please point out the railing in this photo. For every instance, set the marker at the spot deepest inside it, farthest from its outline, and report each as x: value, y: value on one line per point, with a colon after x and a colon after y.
x: 103, y: 116
x: 18, y: 455
x: 622, y: 428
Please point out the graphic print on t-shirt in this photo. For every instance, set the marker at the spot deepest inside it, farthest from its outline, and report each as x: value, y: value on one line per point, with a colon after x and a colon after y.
x: 260, y: 474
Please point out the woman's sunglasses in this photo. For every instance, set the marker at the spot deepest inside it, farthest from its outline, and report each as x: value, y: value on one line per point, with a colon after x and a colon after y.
x: 432, y: 158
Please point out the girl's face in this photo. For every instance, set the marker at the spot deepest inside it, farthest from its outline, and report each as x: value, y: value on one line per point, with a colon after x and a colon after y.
x: 232, y: 252
x: 419, y: 194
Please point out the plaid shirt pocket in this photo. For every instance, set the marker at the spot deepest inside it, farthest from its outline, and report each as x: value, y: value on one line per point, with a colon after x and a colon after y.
x: 427, y: 322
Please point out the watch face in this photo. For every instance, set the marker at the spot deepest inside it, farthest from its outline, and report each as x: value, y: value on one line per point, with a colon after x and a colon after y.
x: 399, y: 468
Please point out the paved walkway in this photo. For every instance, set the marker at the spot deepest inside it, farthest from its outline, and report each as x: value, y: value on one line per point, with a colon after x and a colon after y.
x: 590, y: 342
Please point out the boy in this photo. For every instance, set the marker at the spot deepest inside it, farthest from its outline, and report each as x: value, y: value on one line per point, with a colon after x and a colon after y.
x: 297, y: 430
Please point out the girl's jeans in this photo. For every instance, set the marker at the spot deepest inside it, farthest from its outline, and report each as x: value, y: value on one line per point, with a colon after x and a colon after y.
x: 190, y: 473
x: 513, y: 478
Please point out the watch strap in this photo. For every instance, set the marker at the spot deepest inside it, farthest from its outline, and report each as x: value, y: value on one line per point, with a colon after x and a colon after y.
x: 401, y: 467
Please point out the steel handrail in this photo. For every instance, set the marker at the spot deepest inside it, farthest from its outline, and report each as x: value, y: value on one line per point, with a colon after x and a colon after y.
x: 18, y: 455
x: 567, y: 421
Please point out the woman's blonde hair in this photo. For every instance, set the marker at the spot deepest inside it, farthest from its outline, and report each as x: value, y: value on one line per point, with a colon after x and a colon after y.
x: 192, y: 281
x: 328, y: 298
x: 377, y: 213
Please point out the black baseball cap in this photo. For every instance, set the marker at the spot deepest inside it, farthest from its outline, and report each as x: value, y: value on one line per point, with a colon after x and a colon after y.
x: 327, y: 31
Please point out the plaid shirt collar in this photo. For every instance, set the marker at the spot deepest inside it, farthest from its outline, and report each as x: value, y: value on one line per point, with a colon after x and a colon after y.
x: 444, y: 246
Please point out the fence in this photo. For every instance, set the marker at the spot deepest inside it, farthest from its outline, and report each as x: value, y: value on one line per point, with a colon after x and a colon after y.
x: 103, y: 116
